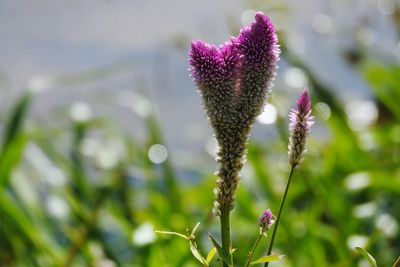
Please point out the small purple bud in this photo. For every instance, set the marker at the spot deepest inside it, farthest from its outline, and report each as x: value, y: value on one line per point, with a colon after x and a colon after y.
x: 266, y: 220
x: 299, y: 128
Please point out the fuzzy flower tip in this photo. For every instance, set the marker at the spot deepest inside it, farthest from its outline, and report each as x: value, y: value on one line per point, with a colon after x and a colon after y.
x: 266, y: 220
x: 299, y: 128
x: 234, y: 80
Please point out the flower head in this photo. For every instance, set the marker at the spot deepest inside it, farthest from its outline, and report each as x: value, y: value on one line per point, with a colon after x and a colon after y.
x: 299, y: 127
x: 234, y: 80
x: 209, y: 63
x: 266, y: 220
x: 257, y: 43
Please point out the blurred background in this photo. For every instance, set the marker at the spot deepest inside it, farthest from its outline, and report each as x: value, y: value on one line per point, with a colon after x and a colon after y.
x: 103, y: 138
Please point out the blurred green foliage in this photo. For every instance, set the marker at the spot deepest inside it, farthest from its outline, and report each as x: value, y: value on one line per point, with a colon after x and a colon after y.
x: 108, y: 208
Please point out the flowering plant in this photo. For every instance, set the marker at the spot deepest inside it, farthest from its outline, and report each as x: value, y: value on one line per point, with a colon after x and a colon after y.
x: 235, y: 81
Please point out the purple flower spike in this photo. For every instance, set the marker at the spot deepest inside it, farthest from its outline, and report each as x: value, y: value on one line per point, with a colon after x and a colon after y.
x: 234, y: 81
x: 266, y: 220
x: 299, y: 127
x: 258, y: 45
x: 214, y: 70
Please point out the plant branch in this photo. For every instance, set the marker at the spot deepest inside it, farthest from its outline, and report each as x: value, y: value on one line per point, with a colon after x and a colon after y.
x: 254, y: 249
x: 83, y: 233
x: 271, y: 244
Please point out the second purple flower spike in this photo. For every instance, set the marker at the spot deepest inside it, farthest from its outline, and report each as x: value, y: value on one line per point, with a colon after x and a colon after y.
x: 299, y: 128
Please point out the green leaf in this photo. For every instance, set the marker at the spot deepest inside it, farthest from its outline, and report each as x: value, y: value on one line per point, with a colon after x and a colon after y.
x: 385, y: 82
x: 16, y: 119
x: 11, y: 156
x: 397, y: 263
x: 196, y: 253
x: 220, y: 250
x: 210, y: 255
x: 192, y: 243
x: 195, y: 228
x: 25, y: 226
x: 172, y: 233
x: 14, y: 138
x: 367, y: 256
x: 267, y: 258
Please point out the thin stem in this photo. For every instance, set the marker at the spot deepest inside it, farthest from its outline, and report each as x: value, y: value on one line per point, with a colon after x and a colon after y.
x: 226, y: 234
x: 254, y: 249
x: 271, y: 244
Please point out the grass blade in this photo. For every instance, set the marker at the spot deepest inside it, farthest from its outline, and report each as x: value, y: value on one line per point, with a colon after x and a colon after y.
x: 367, y: 256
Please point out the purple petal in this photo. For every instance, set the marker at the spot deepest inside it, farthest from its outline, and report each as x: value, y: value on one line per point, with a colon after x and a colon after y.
x: 304, y: 102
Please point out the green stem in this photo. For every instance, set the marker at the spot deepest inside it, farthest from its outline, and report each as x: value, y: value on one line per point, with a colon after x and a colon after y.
x: 271, y: 244
x: 226, y: 234
x: 83, y: 234
x: 254, y: 249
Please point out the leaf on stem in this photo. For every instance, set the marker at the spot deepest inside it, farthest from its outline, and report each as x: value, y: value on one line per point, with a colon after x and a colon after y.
x: 367, y: 256
x: 220, y: 250
x: 210, y: 255
x: 196, y: 253
x: 195, y: 229
x: 268, y: 258
x: 172, y: 233
x: 192, y: 244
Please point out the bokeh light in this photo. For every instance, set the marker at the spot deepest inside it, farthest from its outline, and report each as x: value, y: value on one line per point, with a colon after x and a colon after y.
x: 361, y: 114
x: 296, y: 78
x: 323, y: 110
x: 269, y: 115
x: 144, y: 234
x: 158, y: 153
x: 80, y: 112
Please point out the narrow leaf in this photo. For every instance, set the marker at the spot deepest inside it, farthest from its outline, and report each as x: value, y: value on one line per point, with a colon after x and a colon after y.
x: 220, y: 250
x: 172, y: 233
x: 397, y: 263
x: 14, y: 125
x: 210, y: 255
x: 11, y: 157
x: 196, y: 253
x: 367, y: 256
x: 267, y: 258
x: 195, y: 228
